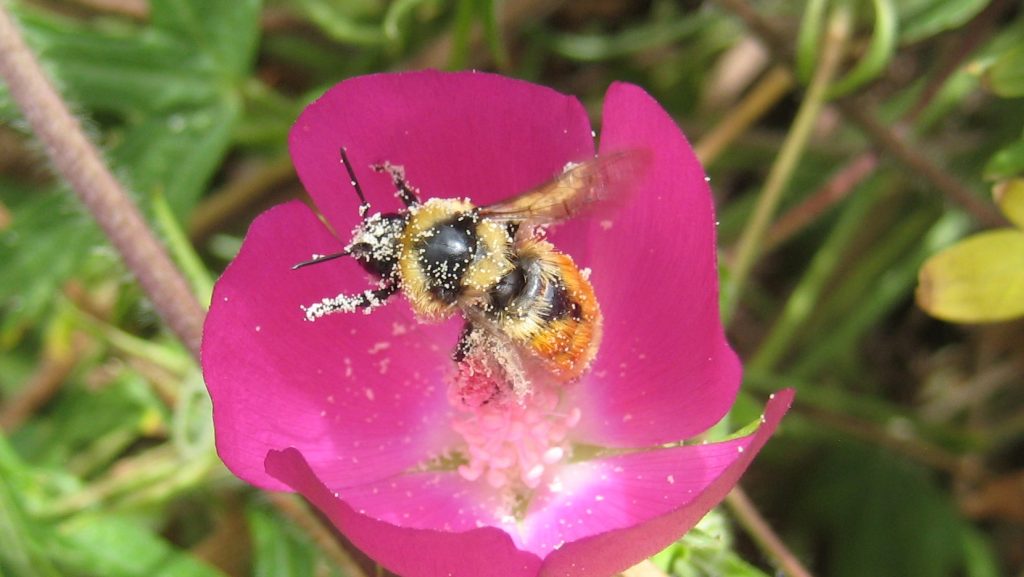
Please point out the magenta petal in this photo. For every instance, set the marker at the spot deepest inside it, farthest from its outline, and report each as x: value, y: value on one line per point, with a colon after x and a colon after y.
x: 360, y: 395
x: 439, y: 500
x: 483, y: 552
x: 658, y: 496
x: 458, y: 134
x: 665, y: 371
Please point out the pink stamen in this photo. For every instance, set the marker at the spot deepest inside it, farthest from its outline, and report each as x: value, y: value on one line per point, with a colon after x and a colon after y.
x: 512, y: 442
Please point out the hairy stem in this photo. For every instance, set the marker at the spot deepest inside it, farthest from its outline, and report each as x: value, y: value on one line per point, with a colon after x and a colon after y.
x: 80, y: 164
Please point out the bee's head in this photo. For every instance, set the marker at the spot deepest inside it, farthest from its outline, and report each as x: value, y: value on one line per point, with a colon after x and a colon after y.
x: 376, y: 243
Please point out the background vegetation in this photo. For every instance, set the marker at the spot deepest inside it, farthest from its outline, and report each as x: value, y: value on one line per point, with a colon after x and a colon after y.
x: 846, y: 141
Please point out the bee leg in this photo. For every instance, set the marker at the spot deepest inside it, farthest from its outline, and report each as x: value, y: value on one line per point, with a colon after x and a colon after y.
x: 465, y: 343
x: 407, y: 193
x: 366, y: 300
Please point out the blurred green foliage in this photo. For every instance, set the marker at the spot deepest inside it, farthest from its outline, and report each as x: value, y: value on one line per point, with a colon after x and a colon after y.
x: 903, y: 453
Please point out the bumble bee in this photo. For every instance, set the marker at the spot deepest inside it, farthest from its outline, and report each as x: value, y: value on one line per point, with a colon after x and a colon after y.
x: 490, y: 264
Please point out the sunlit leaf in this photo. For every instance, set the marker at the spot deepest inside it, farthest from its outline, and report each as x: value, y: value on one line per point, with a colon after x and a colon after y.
x: 980, y: 279
x: 1006, y: 76
x: 1006, y: 163
x: 1010, y: 198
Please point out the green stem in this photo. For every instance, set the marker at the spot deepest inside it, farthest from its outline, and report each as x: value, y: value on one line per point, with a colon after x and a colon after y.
x: 796, y: 141
x: 804, y: 297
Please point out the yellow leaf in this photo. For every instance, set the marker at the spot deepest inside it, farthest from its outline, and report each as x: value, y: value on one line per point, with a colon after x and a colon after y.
x: 1010, y: 198
x: 980, y: 279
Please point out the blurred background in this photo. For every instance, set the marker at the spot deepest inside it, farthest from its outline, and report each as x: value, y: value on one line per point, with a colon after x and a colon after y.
x: 867, y: 160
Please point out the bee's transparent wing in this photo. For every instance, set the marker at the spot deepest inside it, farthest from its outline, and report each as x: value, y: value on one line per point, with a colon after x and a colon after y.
x: 576, y: 191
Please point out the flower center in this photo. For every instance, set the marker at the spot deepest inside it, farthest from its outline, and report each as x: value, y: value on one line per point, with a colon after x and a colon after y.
x: 512, y: 441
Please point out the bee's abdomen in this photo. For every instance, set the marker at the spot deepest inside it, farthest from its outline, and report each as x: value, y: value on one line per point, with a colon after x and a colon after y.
x: 547, y: 305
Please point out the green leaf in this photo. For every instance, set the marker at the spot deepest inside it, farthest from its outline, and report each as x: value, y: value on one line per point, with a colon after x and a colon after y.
x: 875, y: 514
x: 47, y: 240
x: 226, y: 31
x: 123, y: 70
x: 980, y: 279
x: 1010, y: 198
x: 924, y: 18
x: 116, y: 546
x: 176, y: 155
x: 1007, y: 163
x: 278, y: 549
x: 345, y: 21
x: 878, y: 54
x: 1006, y: 76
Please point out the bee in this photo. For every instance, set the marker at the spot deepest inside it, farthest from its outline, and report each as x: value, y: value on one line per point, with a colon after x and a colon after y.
x: 524, y: 302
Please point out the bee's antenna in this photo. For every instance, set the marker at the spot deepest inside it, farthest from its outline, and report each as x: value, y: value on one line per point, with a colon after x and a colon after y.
x: 319, y: 259
x: 364, y: 206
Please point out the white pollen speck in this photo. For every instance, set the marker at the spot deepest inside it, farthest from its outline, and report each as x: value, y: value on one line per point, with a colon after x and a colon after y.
x: 739, y: 449
x: 258, y: 328
x: 398, y: 329
x: 369, y: 394
x: 606, y: 224
x: 771, y: 396
x: 225, y: 299
x: 671, y: 479
x: 378, y: 347
x: 707, y: 179
x: 593, y: 134
x: 599, y: 497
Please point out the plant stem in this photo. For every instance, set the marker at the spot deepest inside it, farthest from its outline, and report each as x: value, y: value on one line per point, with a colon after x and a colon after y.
x: 751, y: 520
x: 838, y: 188
x: 762, y: 97
x: 753, y: 235
x: 80, y: 164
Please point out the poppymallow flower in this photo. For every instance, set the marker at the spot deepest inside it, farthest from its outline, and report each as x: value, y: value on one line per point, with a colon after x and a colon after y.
x: 355, y: 411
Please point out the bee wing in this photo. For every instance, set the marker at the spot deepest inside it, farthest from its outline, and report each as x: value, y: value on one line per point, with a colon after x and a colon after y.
x: 575, y: 191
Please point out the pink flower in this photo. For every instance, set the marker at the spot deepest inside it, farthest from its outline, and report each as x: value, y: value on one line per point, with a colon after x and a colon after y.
x: 353, y: 410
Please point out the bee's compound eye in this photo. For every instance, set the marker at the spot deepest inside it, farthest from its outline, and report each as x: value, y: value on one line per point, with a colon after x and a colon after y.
x: 361, y: 250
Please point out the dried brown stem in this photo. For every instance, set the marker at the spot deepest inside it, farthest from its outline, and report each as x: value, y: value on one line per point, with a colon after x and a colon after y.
x: 240, y: 193
x: 80, y: 164
x: 40, y: 387
x: 775, y: 84
x: 755, y: 525
x: 917, y: 164
x: 830, y: 194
